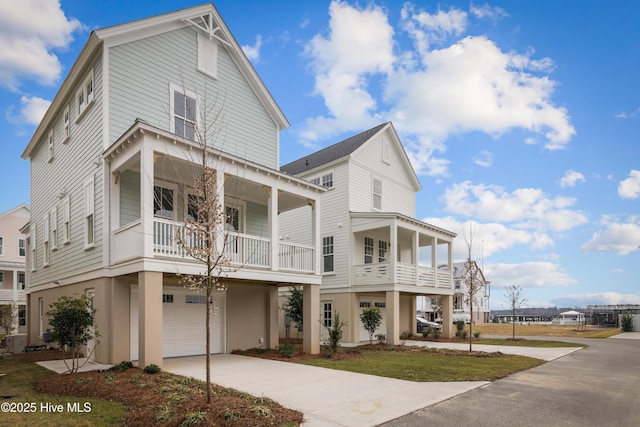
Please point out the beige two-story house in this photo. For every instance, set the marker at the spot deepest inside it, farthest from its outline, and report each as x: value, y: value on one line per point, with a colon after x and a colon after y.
x: 12, y: 263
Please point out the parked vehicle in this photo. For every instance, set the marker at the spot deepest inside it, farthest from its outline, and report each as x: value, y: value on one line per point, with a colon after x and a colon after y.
x: 423, y: 323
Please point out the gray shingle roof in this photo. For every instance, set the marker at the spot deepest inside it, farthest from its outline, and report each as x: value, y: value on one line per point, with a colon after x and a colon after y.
x: 331, y: 153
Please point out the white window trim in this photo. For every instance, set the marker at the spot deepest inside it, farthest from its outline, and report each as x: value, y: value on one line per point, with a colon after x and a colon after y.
x: 374, y: 194
x: 66, y: 224
x: 324, y: 312
x: 50, y: 146
x: 54, y: 227
x: 173, y: 87
x: 87, y: 97
x: 240, y: 205
x: 66, y: 124
x: 1, y: 245
x: 46, y: 254
x: 172, y: 187
x: 33, y: 245
x: 41, y: 315
x: 24, y: 245
x: 89, y: 211
x: 333, y: 254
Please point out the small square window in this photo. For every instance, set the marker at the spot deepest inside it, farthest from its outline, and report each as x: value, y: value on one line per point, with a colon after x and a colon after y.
x: 167, y: 298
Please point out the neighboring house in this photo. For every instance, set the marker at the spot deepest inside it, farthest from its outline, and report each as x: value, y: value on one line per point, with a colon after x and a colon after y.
x: 112, y: 170
x: 12, y: 261
x: 374, y: 250
x: 461, y: 306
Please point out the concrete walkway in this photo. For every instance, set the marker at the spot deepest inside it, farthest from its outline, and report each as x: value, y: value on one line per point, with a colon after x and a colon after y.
x: 627, y: 336
x: 327, y: 397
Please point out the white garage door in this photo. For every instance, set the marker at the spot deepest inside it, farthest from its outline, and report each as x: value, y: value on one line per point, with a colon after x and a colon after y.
x: 382, y: 329
x: 183, y: 323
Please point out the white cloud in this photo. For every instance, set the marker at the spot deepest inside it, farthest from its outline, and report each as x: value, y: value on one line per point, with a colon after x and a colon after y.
x: 525, y: 207
x: 628, y: 115
x: 468, y: 85
x: 630, y: 187
x: 528, y: 275
x: 484, y: 159
x: 29, y: 31
x: 596, y: 298
x: 32, y: 110
x: 619, y: 238
x: 253, y: 52
x: 570, y: 178
x: 489, y: 12
x: 360, y: 43
x: 488, y: 238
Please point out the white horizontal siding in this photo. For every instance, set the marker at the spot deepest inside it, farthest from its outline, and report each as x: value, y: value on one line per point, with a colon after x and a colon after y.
x: 140, y: 74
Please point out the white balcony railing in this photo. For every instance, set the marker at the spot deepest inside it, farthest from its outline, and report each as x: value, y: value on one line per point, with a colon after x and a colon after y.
x: 6, y: 296
x: 242, y: 250
x: 370, y: 274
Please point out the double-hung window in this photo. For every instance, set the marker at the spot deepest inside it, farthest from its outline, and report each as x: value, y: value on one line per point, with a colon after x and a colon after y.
x: 89, y: 213
x: 163, y: 202
x: 46, y: 247
x: 84, y: 96
x: 327, y: 314
x: 382, y: 250
x: 1, y: 246
x: 368, y: 250
x: 377, y: 193
x: 33, y: 246
x: 184, y: 112
x: 327, y: 254
x: 66, y: 224
x: 22, y: 250
x: 54, y: 228
x: 66, y: 130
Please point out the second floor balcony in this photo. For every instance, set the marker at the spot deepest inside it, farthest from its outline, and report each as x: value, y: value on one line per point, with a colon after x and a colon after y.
x: 154, y: 206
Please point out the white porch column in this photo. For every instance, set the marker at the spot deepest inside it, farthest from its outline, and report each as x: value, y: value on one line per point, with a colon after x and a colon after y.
x: 434, y: 255
x: 316, y: 240
x: 310, y: 319
x: 147, y: 199
x: 15, y: 302
x: 393, y: 257
x: 221, y: 234
x: 415, y: 247
x: 149, y: 318
x: 447, y: 315
x: 392, y: 304
x: 274, y: 226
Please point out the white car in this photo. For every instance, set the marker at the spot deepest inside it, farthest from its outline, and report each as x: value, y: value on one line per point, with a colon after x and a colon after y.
x: 426, y: 324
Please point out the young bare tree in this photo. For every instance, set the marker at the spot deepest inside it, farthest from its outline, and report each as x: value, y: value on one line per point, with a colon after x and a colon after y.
x: 205, y: 235
x: 515, y: 298
x: 8, y: 317
x: 474, y: 281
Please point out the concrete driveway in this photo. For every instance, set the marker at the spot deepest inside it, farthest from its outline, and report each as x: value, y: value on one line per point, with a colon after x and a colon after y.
x: 326, y: 397
x: 592, y: 387
x: 329, y: 397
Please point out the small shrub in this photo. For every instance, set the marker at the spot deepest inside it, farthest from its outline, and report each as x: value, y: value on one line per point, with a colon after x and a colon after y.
x: 122, y: 366
x: 229, y: 415
x: 151, y: 369
x: 259, y: 410
x: 286, y: 350
x: 405, y: 336
x: 110, y: 379
x: 335, y: 334
x: 436, y: 333
x: 626, y: 322
x: 425, y: 332
x: 194, y: 418
x: 165, y: 413
x: 381, y: 338
x: 463, y: 334
x: 84, y: 380
x: 459, y: 328
x: 476, y: 334
x: 176, y: 397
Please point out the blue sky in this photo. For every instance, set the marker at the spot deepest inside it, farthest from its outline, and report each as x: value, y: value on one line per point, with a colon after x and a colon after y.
x: 522, y: 118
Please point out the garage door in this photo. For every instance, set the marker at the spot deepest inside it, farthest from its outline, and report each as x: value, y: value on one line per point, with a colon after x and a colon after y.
x: 183, y: 322
x: 380, y: 303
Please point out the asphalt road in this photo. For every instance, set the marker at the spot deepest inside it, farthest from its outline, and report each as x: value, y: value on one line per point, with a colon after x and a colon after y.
x: 596, y: 386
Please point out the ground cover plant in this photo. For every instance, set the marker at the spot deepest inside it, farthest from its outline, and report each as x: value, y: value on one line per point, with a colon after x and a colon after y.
x: 129, y: 396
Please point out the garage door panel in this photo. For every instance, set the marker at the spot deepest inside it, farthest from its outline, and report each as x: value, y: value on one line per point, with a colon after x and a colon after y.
x: 183, y: 325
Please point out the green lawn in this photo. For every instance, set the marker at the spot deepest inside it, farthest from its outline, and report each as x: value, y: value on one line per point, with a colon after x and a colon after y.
x: 527, y: 343
x: 16, y: 389
x: 420, y: 364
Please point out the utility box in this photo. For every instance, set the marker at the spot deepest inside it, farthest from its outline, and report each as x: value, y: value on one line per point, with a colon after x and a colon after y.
x: 16, y: 343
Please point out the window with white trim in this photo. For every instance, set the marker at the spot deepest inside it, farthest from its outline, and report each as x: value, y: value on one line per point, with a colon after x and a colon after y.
x: 46, y: 248
x: 50, y: 145
x: 84, y: 96
x: 22, y: 249
x: 377, y: 193
x: 21, y: 281
x: 1, y: 279
x: 207, y: 55
x: 325, y: 180
x: 66, y: 130
x: 1, y: 245
x: 66, y: 222
x: 184, y: 112
x: 89, y: 213
x: 382, y: 250
x: 164, y: 201
x: 32, y: 244
x: 167, y: 298
x: 54, y: 228
x: 22, y: 316
x: 368, y: 250
x: 327, y: 314
x: 327, y: 254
